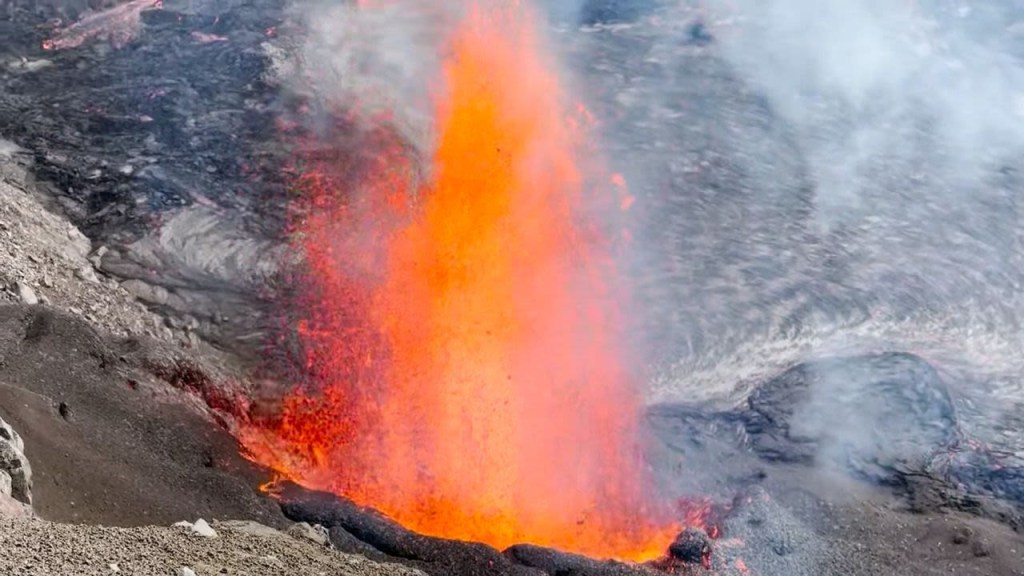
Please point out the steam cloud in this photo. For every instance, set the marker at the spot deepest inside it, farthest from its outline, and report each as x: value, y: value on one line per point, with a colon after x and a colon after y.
x: 907, y: 122
x: 820, y: 164
x: 862, y: 80
x: 377, y: 64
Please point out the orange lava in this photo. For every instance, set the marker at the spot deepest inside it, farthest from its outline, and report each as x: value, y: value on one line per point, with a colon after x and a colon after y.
x: 464, y: 325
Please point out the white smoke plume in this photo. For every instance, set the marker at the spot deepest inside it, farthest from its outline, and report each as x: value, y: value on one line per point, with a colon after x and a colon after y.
x: 906, y: 120
x: 379, y: 64
x: 933, y: 82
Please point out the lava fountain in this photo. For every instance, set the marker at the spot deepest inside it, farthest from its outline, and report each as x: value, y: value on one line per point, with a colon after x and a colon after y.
x: 464, y: 323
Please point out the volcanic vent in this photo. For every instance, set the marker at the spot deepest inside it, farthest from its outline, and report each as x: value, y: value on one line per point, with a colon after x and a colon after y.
x: 463, y: 320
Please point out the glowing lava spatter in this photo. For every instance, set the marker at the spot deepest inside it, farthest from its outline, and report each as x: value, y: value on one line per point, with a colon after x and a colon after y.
x: 464, y: 329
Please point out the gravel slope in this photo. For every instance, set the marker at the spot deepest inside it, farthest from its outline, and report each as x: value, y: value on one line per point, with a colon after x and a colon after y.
x: 36, y: 547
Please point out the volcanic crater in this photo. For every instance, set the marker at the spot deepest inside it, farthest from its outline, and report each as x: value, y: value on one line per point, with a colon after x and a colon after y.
x: 417, y: 328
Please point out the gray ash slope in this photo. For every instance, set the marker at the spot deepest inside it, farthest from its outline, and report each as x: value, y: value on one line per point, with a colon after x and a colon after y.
x: 110, y: 439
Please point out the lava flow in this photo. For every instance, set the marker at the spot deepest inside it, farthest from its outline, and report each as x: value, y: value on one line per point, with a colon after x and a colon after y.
x: 463, y: 322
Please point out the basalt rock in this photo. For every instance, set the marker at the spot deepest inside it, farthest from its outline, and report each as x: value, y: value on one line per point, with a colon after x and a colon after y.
x: 692, y: 546
x: 877, y: 417
x: 562, y: 563
x: 315, y: 533
x: 162, y: 146
x: 11, y: 508
x: 435, y: 556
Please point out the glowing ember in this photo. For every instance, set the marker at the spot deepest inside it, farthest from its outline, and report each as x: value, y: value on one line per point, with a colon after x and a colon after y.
x: 464, y: 331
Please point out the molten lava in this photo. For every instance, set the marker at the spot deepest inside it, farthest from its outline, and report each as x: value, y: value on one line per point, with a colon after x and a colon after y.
x: 463, y: 325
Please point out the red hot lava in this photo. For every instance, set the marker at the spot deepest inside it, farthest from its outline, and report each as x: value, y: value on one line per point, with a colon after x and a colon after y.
x: 464, y: 323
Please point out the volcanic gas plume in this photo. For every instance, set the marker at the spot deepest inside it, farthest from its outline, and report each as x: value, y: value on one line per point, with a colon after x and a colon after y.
x: 463, y: 319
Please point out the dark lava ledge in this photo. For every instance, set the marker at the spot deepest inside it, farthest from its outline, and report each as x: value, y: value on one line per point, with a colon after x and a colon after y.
x: 364, y: 531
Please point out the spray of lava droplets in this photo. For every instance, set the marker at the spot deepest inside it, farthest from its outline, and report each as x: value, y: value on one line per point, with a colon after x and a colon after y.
x: 463, y: 327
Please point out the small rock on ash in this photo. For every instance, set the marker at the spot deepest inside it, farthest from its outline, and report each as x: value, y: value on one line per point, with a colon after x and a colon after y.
x: 962, y: 535
x: 692, y: 546
x: 26, y: 294
x: 981, y: 548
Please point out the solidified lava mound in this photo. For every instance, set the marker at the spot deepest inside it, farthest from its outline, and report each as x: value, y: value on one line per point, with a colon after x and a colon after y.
x: 878, y: 415
x: 885, y: 418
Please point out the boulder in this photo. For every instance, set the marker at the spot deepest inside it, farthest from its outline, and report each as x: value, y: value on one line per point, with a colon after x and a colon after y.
x: 199, y: 527
x: 15, y: 475
x: 11, y: 508
x: 26, y: 294
x: 202, y: 528
x: 9, y: 434
x: 692, y: 546
x: 315, y: 533
x: 14, y: 463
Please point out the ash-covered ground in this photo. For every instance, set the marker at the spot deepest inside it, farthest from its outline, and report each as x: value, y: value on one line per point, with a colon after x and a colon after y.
x: 830, y: 267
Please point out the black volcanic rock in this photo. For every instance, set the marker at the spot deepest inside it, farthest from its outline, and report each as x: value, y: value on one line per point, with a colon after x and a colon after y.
x: 692, y: 546
x: 169, y: 127
x: 435, y: 556
x: 564, y: 564
x: 357, y: 529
